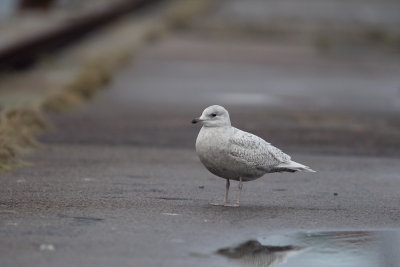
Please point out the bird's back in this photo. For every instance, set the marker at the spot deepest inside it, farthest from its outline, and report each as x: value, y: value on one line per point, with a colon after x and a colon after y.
x: 232, y: 153
x: 255, y: 151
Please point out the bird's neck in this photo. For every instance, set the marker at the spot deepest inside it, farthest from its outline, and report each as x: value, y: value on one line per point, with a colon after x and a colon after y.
x: 216, y: 126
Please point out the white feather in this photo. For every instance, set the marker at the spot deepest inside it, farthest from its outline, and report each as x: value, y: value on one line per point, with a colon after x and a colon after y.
x: 293, y: 165
x: 233, y: 154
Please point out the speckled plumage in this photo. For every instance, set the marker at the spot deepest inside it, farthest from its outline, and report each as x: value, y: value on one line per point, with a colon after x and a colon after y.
x: 234, y: 154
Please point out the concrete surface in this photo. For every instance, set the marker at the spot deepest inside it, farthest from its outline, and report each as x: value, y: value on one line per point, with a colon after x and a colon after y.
x: 312, y: 15
x: 122, y: 205
x: 289, y: 94
x: 117, y: 182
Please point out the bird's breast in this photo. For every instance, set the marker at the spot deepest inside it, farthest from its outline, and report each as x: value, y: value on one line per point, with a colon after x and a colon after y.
x: 212, y: 149
x: 212, y: 143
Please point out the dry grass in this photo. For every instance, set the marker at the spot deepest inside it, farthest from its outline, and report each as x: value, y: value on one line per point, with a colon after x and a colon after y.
x: 381, y: 36
x: 182, y: 12
x: 88, y: 67
x: 110, y: 56
x: 155, y: 33
x: 323, y: 43
x: 81, y: 89
x: 8, y: 155
x: 18, y: 129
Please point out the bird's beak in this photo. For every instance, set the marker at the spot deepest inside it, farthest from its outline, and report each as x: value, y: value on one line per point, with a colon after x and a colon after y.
x: 196, y: 120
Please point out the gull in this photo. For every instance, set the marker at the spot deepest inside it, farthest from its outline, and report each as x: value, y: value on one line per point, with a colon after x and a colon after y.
x: 237, y: 155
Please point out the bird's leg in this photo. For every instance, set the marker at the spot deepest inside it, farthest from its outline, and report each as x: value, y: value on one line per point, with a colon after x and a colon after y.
x: 226, y: 191
x: 240, y: 186
x: 225, y: 203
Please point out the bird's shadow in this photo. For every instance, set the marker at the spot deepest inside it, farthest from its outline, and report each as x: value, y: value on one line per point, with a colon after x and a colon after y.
x: 244, y: 206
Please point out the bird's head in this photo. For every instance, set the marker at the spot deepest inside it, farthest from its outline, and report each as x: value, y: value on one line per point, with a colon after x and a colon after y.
x: 214, y: 116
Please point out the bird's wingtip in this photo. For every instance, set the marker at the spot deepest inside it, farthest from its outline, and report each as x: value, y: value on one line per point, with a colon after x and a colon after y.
x: 310, y: 170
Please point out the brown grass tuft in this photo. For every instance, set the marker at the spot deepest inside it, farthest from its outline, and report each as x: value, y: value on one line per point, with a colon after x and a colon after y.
x: 155, y: 33
x: 80, y: 90
x: 323, y: 43
x: 18, y: 129
x: 8, y: 154
x: 180, y: 14
x: 20, y: 126
x: 26, y: 118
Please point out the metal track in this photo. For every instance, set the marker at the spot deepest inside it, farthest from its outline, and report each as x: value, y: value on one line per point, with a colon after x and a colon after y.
x: 24, y: 53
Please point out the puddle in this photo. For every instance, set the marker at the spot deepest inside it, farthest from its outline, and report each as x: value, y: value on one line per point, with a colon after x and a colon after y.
x: 309, y: 249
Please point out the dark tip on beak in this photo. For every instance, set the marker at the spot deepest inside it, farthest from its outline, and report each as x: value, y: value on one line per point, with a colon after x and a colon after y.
x: 196, y: 120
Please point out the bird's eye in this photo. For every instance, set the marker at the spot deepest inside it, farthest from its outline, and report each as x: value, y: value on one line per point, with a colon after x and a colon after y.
x: 213, y: 114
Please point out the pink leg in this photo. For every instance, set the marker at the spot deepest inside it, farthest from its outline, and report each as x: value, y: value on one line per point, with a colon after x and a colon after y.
x: 240, y: 186
x: 225, y: 203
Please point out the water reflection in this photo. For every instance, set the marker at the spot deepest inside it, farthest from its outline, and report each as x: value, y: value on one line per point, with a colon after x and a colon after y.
x: 334, y: 248
x: 252, y: 253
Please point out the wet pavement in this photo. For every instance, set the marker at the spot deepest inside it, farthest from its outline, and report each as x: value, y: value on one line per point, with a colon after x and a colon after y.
x: 291, y: 95
x: 117, y: 182
x: 334, y: 248
x: 104, y: 205
x: 311, y: 15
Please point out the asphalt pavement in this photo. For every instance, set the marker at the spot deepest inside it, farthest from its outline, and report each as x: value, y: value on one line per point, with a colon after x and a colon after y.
x: 117, y: 182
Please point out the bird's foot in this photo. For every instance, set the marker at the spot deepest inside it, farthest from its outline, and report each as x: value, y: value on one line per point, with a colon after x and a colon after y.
x: 218, y: 204
x: 232, y: 205
x: 225, y: 204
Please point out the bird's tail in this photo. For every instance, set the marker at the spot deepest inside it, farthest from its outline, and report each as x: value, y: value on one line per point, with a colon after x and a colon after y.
x: 295, y: 166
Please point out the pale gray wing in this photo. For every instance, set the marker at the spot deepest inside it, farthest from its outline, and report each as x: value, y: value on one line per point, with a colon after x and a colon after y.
x: 255, y: 151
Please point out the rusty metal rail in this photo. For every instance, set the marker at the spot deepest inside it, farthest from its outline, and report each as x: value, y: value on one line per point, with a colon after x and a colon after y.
x: 25, y: 52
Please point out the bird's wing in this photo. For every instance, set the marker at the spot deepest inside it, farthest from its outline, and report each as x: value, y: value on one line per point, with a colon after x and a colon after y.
x: 253, y: 150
